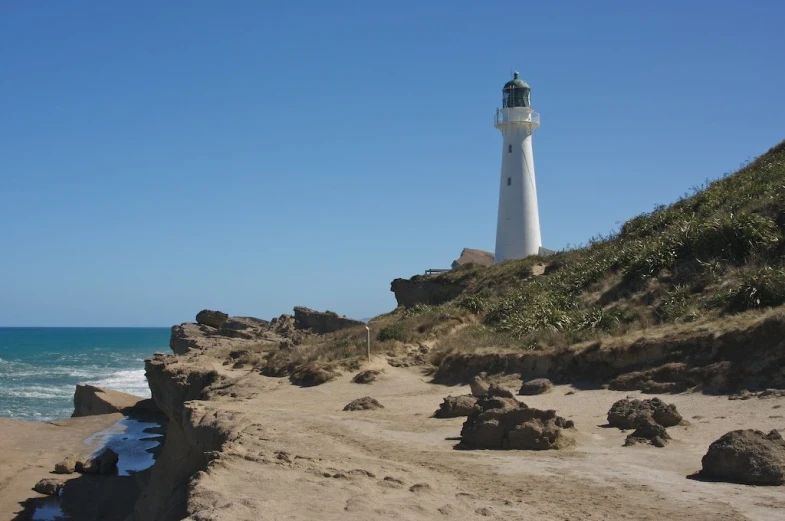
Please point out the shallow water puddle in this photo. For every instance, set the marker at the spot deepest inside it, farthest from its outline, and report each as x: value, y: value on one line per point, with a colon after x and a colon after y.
x: 131, y: 443
x: 49, y: 510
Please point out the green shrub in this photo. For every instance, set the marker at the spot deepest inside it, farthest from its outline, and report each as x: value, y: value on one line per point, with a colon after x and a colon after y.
x: 676, y: 304
x: 761, y: 287
x: 392, y: 332
x: 417, y: 309
x: 602, y: 319
x: 473, y: 304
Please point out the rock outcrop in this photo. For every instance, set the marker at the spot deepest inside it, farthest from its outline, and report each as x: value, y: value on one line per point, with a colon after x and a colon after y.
x: 456, y: 406
x: 536, y: 386
x: 472, y: 256
x: 90, y: 400
x: 746, y: 456
x: 628, y: 414
x: 363, y: 404
x: 194, y: 434
x: 321, y: 322
x: 499, y: 421
x: 424, y: 290
x: 232, y: 333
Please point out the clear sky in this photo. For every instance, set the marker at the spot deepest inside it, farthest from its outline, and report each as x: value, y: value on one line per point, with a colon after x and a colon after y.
x: 157, y: 158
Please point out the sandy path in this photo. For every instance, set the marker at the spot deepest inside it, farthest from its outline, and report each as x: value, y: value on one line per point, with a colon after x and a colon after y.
x: 301, y: 457
x: 30, y: 450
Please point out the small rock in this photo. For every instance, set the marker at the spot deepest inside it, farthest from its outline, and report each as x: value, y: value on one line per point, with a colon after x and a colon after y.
x: 747, y: 456
x: 49, y: 486
x: 366, y: 377
x: 484, y: 511
x: 536, y: 386
x: 104, y: 463
x: 67, y: 466
x: 479, y: 385
x: 627, y: 413
x: 364, y: 403
x: 499, y: 392
x: 420, y: 487
x: 648, y: 431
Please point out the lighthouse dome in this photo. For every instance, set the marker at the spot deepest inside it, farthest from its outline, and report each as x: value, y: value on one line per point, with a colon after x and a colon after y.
x: 516, y: 83
x: 516, y: 93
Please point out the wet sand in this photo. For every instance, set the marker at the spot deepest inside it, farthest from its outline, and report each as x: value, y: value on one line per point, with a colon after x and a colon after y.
x: 30, y: 450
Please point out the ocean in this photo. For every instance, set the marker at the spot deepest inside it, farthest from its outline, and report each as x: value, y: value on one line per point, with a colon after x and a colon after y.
x: 40, y: 367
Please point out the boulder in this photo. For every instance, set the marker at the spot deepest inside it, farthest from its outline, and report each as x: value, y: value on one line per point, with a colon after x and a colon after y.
x: 366, y: 377
x: 456, y: 406
x: 497, y: 391
x: 479, y: 385
x: 746, y: 456
x: 499, y: 421
x: 648, y: 432
x: 313, y: 374
x: 536, y: 386
x: 49, y: 486
x: 208, y: 317
x: 90, y: 400
x: 362, y: 404
x: 104, y: 463
x: 322, y: 322
x: 627, y: 413
x: 67, y: 466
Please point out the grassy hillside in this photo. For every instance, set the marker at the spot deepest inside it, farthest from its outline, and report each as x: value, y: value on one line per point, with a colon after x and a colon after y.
x: 716, y: 252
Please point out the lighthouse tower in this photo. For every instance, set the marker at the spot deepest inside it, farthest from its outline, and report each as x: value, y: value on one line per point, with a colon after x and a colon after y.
x: 518, y: 224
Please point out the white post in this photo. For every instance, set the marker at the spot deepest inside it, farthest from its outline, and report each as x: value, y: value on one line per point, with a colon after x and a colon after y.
x: 368, y: 341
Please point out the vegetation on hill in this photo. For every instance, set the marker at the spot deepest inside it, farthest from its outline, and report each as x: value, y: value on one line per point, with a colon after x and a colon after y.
x: 716, y: 252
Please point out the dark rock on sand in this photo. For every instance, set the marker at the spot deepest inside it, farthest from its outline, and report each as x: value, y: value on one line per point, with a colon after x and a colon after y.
x: 104, y: 463
x: 648, y: 432
x: 362, y: 404
x: 366, y: 377
x: 747, y: 456
x: 499, y: 421
x: 536, y: 386
x: 627, y: 413
x: 456, y: 406
x: 48, y: 486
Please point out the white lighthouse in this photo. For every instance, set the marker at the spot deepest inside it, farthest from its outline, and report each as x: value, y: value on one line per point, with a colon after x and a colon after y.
x: 518, y: 224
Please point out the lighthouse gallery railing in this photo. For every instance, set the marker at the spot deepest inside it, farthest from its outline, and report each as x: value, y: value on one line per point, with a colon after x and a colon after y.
x: 519, y: 117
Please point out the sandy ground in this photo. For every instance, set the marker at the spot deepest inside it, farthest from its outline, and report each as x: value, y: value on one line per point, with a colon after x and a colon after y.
x: 30, y: 450
x: 301, y: 457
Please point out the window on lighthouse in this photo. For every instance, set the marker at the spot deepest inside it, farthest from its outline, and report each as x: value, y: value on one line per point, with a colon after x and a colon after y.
x: 509, y: 181
x: 509, y: 149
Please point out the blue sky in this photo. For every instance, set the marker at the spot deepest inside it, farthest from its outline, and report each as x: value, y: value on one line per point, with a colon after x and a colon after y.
x: 157, y: 158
